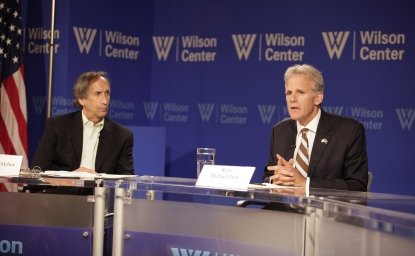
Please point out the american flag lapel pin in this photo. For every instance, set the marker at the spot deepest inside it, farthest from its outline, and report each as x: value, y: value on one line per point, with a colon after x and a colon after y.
x: 324, y: 140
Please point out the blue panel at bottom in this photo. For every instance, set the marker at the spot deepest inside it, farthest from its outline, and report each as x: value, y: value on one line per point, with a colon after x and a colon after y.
x: 143, y: 243
x: 35, y: 240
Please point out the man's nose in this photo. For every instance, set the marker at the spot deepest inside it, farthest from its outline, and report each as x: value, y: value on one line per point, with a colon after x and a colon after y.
x: 105, y: 100
x: 293, y: 98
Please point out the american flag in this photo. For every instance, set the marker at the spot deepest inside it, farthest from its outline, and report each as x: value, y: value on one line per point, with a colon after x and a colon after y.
x: 13, y: 113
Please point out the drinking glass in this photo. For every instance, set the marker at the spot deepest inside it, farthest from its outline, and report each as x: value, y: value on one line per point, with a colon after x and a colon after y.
x: 204, y: 156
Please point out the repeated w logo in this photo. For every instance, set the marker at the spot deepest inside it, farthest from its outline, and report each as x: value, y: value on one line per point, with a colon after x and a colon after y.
x: 338, y: 110
x: 205, y: 111
x: 195, y: 252
x: 266, y: 111
x: 188, y: 252
x: 243, y: 44
x: 84, y: 37
x: 163, y: 44
x: 150, y: 109
x: 38, y: 103
x: 406, y: 117
x: 335, y: 42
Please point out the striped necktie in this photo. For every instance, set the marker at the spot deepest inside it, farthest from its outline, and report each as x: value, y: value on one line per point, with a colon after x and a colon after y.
x: 302, y: 158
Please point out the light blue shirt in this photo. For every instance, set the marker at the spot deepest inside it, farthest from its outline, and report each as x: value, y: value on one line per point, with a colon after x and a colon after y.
x: 90, y: 142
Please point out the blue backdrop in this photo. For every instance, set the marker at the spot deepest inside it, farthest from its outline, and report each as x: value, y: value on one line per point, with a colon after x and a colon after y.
x: 211, y: 72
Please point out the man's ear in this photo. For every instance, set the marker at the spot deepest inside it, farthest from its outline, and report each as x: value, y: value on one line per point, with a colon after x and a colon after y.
x: 318, y: 99
x: 81, y: 102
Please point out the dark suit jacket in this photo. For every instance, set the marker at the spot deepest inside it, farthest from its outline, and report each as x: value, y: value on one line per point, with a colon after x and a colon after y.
x: 340, y: 164
x: 60, y: 147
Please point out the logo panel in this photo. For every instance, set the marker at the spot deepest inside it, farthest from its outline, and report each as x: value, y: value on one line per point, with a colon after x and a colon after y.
x: 150, y: 109
x: 162, y: 45
x: 406, y: 117
x: 205, y: 111
x: 84, y: 37
x: 38, y: 103
x: 243, y: 44
x: 266, y: 112
x: 335, y: 42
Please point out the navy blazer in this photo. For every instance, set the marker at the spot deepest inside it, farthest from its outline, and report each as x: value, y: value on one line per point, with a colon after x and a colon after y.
x: 60, y: 147
x: 341, y: 163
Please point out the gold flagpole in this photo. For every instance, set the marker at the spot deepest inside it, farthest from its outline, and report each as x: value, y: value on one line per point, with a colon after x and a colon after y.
x: 51, y: 52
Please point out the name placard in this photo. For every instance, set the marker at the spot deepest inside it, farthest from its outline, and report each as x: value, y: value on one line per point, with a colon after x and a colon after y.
x: 10, y: 165
x: 225, y: 177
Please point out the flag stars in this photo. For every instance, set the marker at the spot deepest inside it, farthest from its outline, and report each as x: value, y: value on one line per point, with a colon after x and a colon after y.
x: 1, y: 6
x: 8, y: 42
x: 15, y: 59
x: 12, y: 27
x: 15, y: 14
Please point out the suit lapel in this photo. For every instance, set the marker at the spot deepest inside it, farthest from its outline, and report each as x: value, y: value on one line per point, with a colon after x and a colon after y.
x: 292, y: 136
x: 77, y: 136
x: 320, y: 142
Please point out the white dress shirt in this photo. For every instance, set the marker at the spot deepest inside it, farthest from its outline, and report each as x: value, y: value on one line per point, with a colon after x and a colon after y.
x: 311, y: 135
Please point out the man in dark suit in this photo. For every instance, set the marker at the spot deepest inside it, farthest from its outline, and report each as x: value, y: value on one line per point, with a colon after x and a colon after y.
x: 332, y: 154
x: 86, y: 140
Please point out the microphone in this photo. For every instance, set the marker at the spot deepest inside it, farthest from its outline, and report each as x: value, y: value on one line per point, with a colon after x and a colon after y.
x: 293, y: 145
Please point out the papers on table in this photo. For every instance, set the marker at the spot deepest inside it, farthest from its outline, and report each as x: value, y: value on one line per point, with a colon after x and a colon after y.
x: 84, y: 175
x: 267, y: 186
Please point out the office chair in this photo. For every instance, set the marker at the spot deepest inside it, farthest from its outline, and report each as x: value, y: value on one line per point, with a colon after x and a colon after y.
x: 369, y: 180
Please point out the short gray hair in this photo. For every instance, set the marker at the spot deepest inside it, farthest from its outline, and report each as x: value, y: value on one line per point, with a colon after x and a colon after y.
x: 308, y: 71
x: 83, y: 82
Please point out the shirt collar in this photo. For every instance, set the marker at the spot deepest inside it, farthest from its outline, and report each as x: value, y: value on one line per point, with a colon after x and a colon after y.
x: 85, y: 120
x: 311, y: 126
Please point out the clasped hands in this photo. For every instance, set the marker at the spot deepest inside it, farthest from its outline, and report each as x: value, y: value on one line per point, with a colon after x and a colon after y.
x: 285, y: 174
x: 66, y: 181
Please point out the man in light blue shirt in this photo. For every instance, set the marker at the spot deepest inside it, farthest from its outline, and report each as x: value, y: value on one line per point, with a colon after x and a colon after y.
x: 87, y: 140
